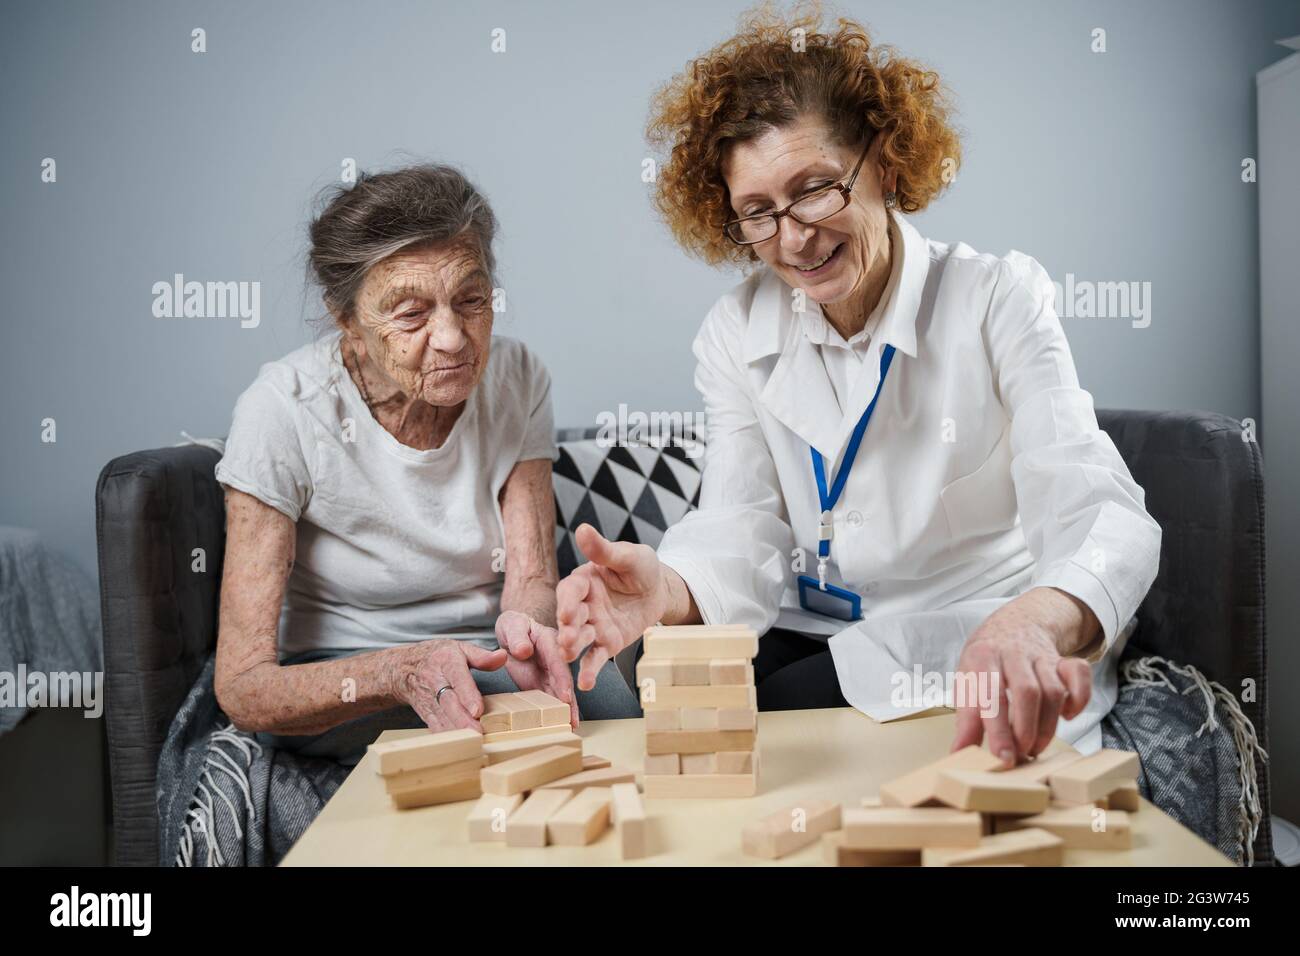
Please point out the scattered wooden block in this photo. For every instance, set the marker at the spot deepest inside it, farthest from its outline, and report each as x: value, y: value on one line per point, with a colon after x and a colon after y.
x: 1038, y: 770
x: 735, y: 761
x: 733, y: 671
x: 917, y: 788
x: 445, y: 776
x: 699, y: 718
x: 427, y: 750
x: 790, y: 829
x: 699, y: 643
x: 629, y: 817
x: 595, y: 762
x: 604, y: 777
x: 700, y: 763
x: 690, y: 673
x: 440, y: 793
x: 1030, y: 846
x: 990, y: 792
x: 582, y: 819
x: 737, y: 718
x: 555, y: 712
x: 531, y: 770
x: 662, y: 764
x: 698, y: 741
x: 1081, y: 827
x: 910, y: 828
x: 701, y: 785
x: 660, y: 698
x: 1094, y: 776
x: 1125, y: 797
x: 837, y: 854
x: 658, y: 720
x: 527, y: 825
x: 508, y: 749
x: 487, y: 820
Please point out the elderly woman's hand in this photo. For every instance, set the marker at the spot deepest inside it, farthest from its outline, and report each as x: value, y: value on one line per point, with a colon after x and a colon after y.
x: 535, y: 661
x: 443, y: 665
x: 1015, y: 657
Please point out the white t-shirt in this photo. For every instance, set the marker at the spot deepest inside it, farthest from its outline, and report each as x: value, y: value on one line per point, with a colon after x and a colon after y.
x: 395, y: 545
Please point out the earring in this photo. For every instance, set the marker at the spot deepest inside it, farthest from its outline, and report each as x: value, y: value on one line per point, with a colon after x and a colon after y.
x: 891, y: 200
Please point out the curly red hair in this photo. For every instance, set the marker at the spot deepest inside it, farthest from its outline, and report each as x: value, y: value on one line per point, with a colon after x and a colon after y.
x: 760, y: 79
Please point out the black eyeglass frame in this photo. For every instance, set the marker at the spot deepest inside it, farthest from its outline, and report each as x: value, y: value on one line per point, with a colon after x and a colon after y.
x: 844, y: 187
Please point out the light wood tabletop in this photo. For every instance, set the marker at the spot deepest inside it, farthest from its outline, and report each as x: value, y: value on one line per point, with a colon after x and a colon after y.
x: 834, y: 754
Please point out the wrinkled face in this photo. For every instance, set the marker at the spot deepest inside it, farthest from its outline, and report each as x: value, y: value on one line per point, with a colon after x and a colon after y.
x: 424, y: 319
x: 830, y: 259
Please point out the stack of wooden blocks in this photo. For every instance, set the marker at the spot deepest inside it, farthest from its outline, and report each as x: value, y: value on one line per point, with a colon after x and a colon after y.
x: 701, y: 711
x: 965, y: 811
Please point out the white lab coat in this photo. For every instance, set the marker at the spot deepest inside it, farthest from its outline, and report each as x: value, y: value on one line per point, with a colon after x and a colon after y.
x: 983, y: 473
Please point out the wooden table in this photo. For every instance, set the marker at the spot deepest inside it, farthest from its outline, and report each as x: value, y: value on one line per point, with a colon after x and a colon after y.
x: 838, y: 754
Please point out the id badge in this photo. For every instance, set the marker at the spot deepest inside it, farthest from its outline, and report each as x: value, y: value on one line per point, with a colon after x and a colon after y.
x: 836, y: 602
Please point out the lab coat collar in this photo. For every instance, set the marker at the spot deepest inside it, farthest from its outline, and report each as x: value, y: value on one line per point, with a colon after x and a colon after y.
x: 798, y: 392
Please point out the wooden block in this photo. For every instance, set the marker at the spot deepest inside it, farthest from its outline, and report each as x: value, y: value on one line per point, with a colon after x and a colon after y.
x: 701, y: 785
x: 735, y: 761
x: 509, y: 749
x: 910, y: 828
x: 594, y: 762
x: 794, y: 827
x: 917, y: 788
x: 733, y: 671
x: 1081, y: 827
x: 737, y: 718
x: 555, y: 712
x: 669, y: 719
x: 582, y: 819
x: 659, y: 673
x: 504, y: 735
x: 427, y: 750
x: 699, y: 643
x: 527, y: 825
x: 604, y: 777
x: 1030, y: 846
x: 496, y: 715
x: 698, y: 741
x: 531, y: 770
x: 487, y: 820
x: 837, y: 854
x: 699, y: 718
x: 690, y: 673
x: 524, y: 715
x: 1125, y: 797
x: 441, y: 793
x: 699, y: 763
x: 1094, y: 776
x: 629, y: 817
x: 445, y: 776
x: 663, y: 764
x: 710, y: 696
x: 1038, y: 770
x: 990, y: 792
x: 872, y: 801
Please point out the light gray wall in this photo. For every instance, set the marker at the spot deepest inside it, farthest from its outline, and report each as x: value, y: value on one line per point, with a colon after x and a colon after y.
x: 1114, y: 166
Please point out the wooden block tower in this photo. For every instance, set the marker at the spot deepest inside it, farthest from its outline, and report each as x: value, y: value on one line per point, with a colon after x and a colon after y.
x: 701, y: 711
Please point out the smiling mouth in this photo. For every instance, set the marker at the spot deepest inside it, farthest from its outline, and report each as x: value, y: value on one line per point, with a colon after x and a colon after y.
x: 818, y: 263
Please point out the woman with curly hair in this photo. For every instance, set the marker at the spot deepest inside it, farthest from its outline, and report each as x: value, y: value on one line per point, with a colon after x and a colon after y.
x: 904, y: 411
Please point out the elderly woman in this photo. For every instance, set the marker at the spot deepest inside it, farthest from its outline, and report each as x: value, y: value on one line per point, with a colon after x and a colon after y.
x: 903, y: 412
x: 390, y: 519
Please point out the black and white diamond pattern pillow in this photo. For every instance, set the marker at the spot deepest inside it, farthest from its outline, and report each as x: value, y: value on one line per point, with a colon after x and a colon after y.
x: 628, y: 493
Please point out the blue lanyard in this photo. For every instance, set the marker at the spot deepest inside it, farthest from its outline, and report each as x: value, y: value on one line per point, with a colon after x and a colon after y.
x: 829, y: 498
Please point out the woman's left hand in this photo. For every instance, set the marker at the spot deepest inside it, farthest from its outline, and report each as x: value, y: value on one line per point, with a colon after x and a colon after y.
x: 1016, y: 660
x: 535, y: 661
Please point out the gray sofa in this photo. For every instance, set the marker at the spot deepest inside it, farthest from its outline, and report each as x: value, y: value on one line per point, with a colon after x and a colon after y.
x: 1203, y: 484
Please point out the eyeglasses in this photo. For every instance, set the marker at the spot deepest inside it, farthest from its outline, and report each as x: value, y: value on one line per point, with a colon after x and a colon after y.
x: 809, y: 208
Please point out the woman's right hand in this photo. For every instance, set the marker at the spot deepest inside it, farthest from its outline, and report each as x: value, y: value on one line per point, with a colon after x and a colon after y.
x: 429, y: 666
x: 606, y: 604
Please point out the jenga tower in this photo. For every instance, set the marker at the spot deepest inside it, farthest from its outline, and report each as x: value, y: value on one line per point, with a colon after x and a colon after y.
x: 701, y: 711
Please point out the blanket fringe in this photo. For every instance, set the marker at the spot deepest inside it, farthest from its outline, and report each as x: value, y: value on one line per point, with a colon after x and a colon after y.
x: 1146, y: 671
x: 201, y: 818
